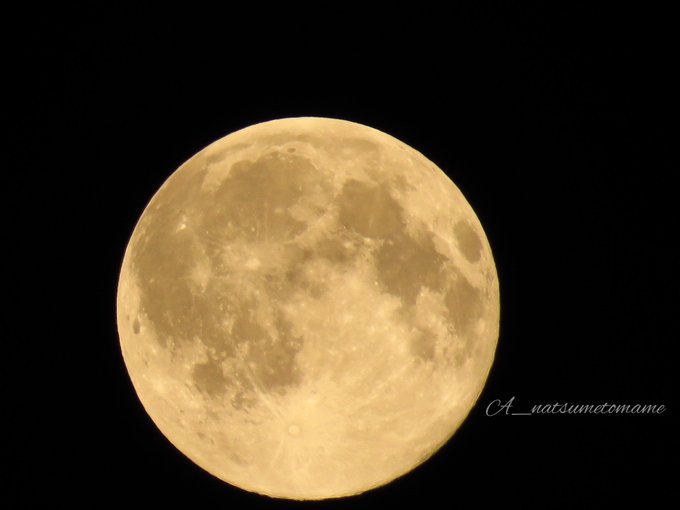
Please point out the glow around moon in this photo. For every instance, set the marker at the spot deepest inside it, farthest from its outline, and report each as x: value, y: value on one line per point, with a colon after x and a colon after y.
x: 308, y: 308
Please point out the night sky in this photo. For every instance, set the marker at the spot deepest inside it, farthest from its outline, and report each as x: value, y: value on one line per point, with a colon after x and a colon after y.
x: 557, y: 125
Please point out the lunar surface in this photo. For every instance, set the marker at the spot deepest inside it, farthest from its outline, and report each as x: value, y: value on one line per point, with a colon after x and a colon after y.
x: 308, y: 308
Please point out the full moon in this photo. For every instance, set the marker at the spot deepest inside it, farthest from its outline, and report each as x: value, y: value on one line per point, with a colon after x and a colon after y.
x: 308, y: 308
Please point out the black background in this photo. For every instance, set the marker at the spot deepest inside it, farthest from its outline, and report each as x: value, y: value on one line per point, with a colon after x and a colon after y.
x: 557, y: 125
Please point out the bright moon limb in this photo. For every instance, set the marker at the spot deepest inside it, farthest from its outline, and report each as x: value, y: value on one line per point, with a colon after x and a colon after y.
x: 308, y: 308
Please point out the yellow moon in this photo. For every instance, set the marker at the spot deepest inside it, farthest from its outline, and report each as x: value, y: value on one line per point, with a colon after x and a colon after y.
x: 308, y: 308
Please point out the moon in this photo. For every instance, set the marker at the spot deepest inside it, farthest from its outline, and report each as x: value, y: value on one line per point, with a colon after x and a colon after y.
x: 308, y: 308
